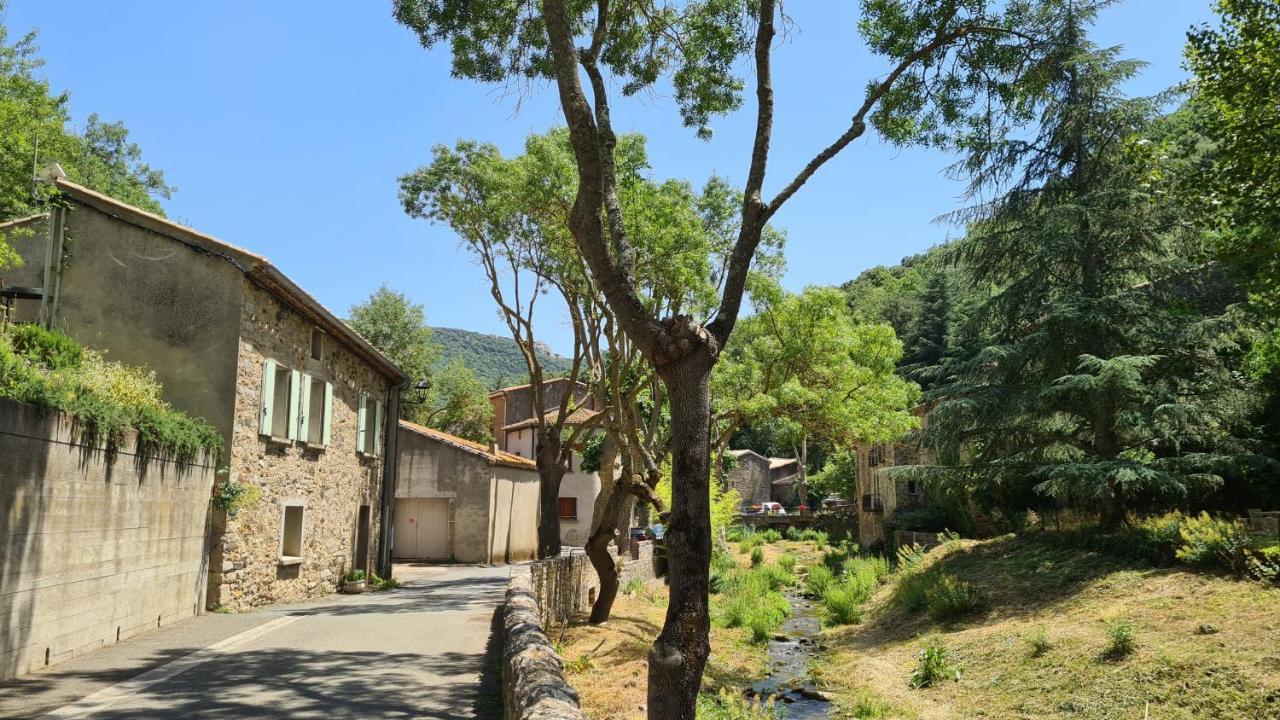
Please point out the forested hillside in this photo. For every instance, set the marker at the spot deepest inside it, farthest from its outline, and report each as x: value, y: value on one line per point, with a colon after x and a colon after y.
x: 495, y: 360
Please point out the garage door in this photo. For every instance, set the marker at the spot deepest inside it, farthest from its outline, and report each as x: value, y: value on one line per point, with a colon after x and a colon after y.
x: 422, y: 529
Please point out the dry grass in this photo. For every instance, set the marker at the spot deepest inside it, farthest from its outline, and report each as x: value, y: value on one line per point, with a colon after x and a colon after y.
x: 1177, y: 671
x: 611, y: 680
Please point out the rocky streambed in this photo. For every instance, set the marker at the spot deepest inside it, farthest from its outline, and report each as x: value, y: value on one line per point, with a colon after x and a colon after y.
x: 790, y: 651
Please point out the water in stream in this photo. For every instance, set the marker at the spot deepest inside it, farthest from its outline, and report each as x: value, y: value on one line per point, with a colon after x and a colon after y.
x: 789, y: 653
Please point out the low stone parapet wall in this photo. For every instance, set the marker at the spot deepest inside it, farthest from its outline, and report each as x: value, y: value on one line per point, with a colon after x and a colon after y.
x: 533, y: 684
x: 538, y: 595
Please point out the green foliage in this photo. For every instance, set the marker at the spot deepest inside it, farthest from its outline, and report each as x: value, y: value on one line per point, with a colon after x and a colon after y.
x: 457, y: 403
x: 751, y: 599
x: 1213, y: 543
x: 909, y: 559
x: 736, y: 533
x: 932, y: 666
x: 787, y: 562
x: 380, y: 583
x: 1121, y: 640
x: 232, y: 496
x: 634, y: 586
x: 398, y: 328
x: 927, y: 519
x: 949, y: 598
x: 777, y: 576
x: 802, y: 361
x: 104, y: 398
x: 842, y: 604
x: 50, y: 349
x: 355, y: 575
x: 769, y: 536
x: 496, y: 361
x: 729, y: 705
x: 757, y: 556
x: 838, y: 476
x: 1237, y: 70
x: 820, y: 578
x: 1038, y: 642
x: 722, y: 565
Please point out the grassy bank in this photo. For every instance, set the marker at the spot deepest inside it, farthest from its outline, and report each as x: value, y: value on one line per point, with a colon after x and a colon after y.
x: 1062, y: 633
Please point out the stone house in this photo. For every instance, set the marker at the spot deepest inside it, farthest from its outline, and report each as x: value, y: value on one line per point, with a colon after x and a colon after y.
x: 880, y: 497
x: 459, y: 500
x: 302, y: 402
x: 759, y: 479
x: 515, y: 429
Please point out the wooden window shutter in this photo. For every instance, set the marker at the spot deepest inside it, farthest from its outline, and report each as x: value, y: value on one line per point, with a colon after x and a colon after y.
x: 326, y: 421
x: 295, y: 402
x: 377, y: 430
x: 304, y: 406
x: 362, y: 421
x: 268, y: 397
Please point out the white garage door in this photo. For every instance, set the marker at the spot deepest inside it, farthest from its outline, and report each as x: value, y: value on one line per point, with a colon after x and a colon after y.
x: 422, y: 529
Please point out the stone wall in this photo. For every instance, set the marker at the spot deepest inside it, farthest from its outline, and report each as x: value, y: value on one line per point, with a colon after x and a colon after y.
x: 97, y: 547
x: 750, y: 477
x: 533, y: 683
x: 332, y: 483
x: 567, y: 585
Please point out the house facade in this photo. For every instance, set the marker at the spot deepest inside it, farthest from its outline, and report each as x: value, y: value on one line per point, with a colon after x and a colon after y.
x: 302, y: 401
x: 880, y: 496
x: 461, y: 501
x: 759, y: 479
x: 515, y: 430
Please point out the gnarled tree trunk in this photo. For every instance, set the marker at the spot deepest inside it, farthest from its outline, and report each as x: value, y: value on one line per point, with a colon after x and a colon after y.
x: 679, y: 655
x: 550, y: 474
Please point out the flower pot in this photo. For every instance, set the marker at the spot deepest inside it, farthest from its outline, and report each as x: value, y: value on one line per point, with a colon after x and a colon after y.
x: 354, y: 587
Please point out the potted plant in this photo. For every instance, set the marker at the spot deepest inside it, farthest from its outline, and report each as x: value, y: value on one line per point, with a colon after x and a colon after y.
x: 231, y: 496
x: 354, y: 583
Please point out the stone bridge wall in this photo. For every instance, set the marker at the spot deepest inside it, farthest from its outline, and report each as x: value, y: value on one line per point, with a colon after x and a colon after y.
x: 539, y: 594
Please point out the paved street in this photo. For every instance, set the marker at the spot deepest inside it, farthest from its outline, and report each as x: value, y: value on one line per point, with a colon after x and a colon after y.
x: 427, y: 650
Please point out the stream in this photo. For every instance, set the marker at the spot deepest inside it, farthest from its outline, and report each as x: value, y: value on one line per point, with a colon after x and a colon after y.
x: 789, y: 652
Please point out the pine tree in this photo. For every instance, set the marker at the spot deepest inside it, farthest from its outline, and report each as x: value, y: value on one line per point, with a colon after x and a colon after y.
x: 1100, y: 382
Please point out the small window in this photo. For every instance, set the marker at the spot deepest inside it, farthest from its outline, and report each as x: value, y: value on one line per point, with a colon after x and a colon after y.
x: 291, y: 521
x: 568, y: 508
x: 317, y: 343
x: 913, y: 488
x: 369, y: 436
x: 279, y: 416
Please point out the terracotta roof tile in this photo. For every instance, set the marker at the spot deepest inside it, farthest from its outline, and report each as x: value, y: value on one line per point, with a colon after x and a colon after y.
x: 500, y: 457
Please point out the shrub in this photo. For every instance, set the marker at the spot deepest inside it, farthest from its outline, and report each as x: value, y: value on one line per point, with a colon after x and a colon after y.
x: 843, y: 604
x: 231, y: 496
x: 749, y: 543
x: 932, y: 665
x: 1213, y: 543
x: 1038, y: 642
x: 721, y: 565
x: 380, y: 583
x: 50, y: 349
x: 787, y: 562
x: 817, y: 537
x: 927, y: 519
x: 770, y: 536
x: 949, y: 599
x: 355, y: 575
x: 578, y: 665
x: 737, y: 533
x: 911, y: 592
x: 910, y: 558
x: 820, y: 578
x: 1120, y: 640
x: 757, y: 556
x: 835, y: 558
x: 777, y: 577
x: 794, y: 534
x: 634, y: 586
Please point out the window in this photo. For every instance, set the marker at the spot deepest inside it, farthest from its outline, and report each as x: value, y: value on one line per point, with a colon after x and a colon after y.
x: 291, y: 523
x: 279, y: 412
x: 876, y: 456
x: 317, y: 343
x: 913, y: 487
x: 369, y: 436
x: 317, y: 411
x: 568, y: 508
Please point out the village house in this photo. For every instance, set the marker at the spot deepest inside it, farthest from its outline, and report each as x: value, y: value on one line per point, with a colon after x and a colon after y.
x: 515, y: 429
x: 460, y: 501
x: 304, y: 404
x: 759, y: 479
x: 880, y: 497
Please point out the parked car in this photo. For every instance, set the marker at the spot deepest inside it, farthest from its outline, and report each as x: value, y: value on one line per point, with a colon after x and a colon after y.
x: 773, y: 508
x: 639, y: 533
x: 657, y: 531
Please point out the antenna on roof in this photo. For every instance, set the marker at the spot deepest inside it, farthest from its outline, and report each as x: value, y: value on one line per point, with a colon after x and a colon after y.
x: 51, y: 173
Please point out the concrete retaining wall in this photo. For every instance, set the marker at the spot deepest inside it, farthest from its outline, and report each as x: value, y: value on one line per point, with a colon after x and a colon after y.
x: 96, y: 547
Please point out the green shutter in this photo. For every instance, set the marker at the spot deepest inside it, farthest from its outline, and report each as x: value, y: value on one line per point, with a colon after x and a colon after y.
x: 377, y: 430
x: 295, y: 392
x: 268, y: 397
x: 326, y: 420
x: 363, y: 421
x: 304, y: 408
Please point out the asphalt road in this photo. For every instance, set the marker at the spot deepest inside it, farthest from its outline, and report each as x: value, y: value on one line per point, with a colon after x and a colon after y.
x: 427, y: 650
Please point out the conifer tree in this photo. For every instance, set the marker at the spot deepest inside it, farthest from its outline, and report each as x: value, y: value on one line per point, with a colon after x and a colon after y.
x: 1100, y: 381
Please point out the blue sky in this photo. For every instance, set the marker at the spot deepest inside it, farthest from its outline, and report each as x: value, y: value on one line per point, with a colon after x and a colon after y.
x: 285, y: 125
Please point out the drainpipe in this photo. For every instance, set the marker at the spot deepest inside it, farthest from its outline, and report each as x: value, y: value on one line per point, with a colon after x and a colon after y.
x: 390, y: 467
